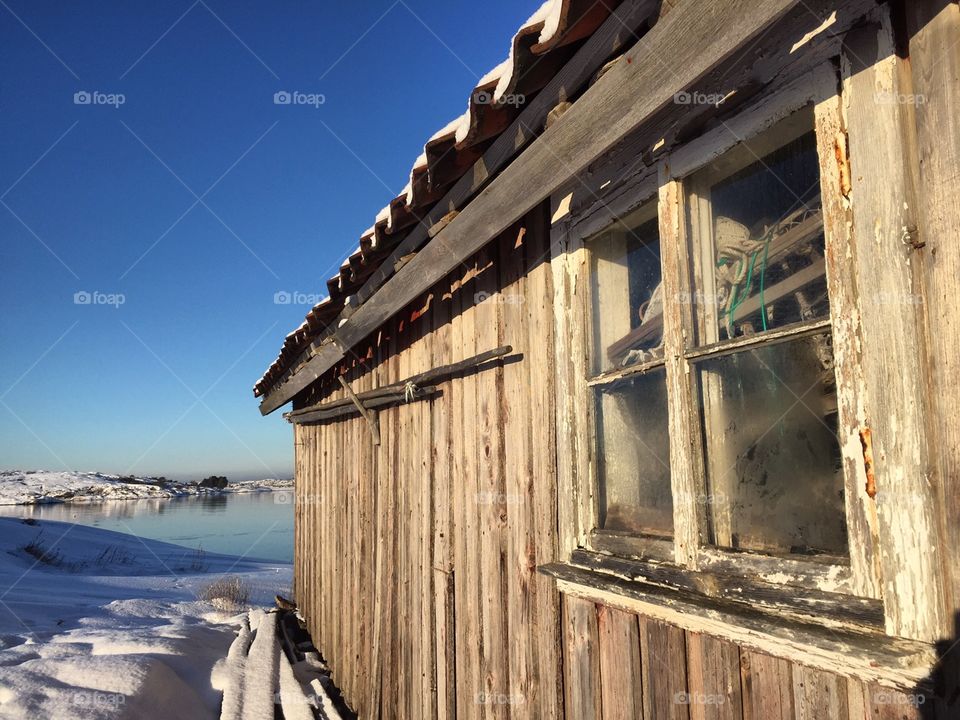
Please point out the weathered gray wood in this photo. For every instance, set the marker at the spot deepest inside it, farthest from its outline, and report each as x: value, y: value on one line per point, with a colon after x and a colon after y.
x: 695, y: 37
x: 686, y: 467
x: 870, y: 656
x: 367, y: 414
x: 664, y: 672
x: 890, y: 305
x: 729, y: 584
x: 767, y: 687
x: 433, y: 375
x: 840, y: 244
x: 934, y: 27
x: 713, y: 678
x: 378, y: 402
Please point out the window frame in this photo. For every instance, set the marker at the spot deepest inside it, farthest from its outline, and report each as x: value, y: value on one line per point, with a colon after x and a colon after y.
x: 646, y: 547
x: 857, y: 576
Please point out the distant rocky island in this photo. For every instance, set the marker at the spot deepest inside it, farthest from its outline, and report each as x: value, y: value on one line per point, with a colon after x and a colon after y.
x: 29, y: 487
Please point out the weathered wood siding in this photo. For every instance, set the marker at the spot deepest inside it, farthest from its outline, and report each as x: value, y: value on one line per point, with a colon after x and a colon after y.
x: 416, y: 560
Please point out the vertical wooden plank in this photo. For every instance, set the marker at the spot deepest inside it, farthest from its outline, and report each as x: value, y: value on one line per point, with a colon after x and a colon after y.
x: 391, y: 486
x: 546, y: 687
x: 469, y: 643
x: 518, y: 481
x: 443, y: 503
x: 406, y: 671
x: 934, y: 29
x: 581, y: 662
x: 428, y: 688
x: 713, y: 679
x: 877, y: 123
x: 383, y: 520
x: 663, y: 654
x: 686, y: 472
x: 767, y: 684
x: 574, y: 468
x: 620, y: 667
x: 491, y: 494
x: 298, y: 549
x: 819, y: 695
x: 840, y: 246
x: 880, y: 703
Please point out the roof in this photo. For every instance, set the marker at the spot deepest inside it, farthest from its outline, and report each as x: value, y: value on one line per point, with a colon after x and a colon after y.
x: 538, y: 50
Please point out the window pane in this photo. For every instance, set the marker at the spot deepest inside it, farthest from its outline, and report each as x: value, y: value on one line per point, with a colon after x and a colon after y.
x: 760, y: 228
x: 626, y: 292
x: 773, y: 459
x: 634, y: 456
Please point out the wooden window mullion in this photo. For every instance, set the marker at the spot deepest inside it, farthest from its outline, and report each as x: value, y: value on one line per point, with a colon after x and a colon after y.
x: 685, y: 454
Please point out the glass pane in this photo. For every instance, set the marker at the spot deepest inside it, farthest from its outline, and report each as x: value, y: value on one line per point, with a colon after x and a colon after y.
x: 626, y: 293
x: 634, y: 456
x: 760, y: 230
x: 774, y: 474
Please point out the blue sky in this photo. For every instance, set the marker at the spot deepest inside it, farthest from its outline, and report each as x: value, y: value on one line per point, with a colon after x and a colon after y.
x: 194, y: 201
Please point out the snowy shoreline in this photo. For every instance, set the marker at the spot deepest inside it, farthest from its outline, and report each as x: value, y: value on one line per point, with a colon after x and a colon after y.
x: 44, y: 487
x: 100, y: 624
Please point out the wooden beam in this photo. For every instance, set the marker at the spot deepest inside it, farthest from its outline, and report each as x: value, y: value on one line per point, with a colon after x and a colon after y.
x: 694, y: 38
x: 438, y: 373
x: 368, y: 415
x: 350, y: 410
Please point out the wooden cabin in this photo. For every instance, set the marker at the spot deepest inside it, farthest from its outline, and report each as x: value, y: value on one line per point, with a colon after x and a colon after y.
x: 641, y: 400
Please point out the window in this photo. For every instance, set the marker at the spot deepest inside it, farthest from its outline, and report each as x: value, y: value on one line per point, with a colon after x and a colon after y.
x: 632, y: 437
x: 756, y: 345
x: 762, y: 356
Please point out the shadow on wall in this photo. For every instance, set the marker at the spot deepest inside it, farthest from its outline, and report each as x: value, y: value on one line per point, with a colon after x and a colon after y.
x: 944, y: 704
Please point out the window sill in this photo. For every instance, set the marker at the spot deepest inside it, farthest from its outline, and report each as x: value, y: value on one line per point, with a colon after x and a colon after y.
x: 786, y: 622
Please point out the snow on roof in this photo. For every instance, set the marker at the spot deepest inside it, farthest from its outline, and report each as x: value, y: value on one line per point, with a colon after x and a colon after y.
x: 538, y: 49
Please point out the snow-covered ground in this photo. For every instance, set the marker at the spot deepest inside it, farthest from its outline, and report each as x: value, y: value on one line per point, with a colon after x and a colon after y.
x: 42, y: 486
x: 98, y: 624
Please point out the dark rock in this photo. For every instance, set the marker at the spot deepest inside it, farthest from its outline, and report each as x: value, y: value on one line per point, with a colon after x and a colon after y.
x: 216, y: 482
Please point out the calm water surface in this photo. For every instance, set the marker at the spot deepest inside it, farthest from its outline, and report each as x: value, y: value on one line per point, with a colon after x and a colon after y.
x: 255, y: 525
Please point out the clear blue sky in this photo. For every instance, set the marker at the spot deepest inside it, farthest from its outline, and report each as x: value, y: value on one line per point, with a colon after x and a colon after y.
x: 103, y: 198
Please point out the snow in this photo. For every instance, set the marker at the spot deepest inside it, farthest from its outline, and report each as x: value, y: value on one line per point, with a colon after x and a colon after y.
x: 255, y: 676
x: 99, y: 624
x: 19, y: 487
